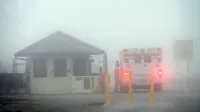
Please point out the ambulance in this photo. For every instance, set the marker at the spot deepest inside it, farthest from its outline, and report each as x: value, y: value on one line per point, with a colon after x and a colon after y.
x: 141, y: 63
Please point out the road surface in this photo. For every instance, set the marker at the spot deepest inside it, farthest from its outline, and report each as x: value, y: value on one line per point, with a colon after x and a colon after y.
x: 119, y: 101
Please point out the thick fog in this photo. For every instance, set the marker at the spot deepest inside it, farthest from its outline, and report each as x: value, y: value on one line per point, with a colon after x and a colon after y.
x: 108, y: 24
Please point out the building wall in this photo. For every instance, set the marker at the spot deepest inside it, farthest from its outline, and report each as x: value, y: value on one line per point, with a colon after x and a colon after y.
x: 51, y: 84
x: 78, y: 85
x: 78, y: 81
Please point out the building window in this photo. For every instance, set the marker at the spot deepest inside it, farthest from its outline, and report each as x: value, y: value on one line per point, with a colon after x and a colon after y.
x: 138, y: 59
x: 80, y: 67
x: 40, y: 67
x: 147, y: 59
x: 60, y: 67
x: 86, y: 83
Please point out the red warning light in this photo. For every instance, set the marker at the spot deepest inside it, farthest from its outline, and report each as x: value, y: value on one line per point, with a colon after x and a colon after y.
x: 126, y: 73
x: 160, y: 73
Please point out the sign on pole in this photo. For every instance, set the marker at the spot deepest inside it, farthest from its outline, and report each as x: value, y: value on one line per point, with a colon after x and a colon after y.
x: 183, y: 50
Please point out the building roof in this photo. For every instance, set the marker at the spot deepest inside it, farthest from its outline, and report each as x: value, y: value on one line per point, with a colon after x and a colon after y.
x: 59, y: 43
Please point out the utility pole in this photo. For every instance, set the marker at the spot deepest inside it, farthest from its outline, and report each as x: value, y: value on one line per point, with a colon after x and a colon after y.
x: 188, y: 66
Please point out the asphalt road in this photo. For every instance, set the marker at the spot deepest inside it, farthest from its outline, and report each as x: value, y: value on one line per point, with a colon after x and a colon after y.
x: 170, y: 93
x: 95, y: 102
x: 170, y: 97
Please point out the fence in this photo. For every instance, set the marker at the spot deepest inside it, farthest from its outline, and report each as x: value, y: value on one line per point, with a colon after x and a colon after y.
x: 13, y: 83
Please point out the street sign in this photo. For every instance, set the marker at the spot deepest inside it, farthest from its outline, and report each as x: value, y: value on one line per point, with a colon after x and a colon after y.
x: 183, y: 50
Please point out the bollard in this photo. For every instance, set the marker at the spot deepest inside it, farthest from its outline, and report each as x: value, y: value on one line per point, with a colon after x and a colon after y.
x: 152, y: 89
x: 130, y: 96
x: 107, y: 88
x: 91, y: 85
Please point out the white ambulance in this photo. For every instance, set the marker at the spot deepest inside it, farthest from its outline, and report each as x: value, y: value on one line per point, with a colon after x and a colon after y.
x: 142, y: 62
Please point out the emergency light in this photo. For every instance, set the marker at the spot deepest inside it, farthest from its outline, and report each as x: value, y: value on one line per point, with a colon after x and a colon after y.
x: 126, y: 73
x: 160, y: 73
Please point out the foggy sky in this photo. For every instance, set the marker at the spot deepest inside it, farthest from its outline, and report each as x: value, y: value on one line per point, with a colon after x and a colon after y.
x: 109, y: 24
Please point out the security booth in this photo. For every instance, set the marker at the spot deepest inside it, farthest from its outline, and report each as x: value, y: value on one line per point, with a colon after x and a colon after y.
x: 60, y: 64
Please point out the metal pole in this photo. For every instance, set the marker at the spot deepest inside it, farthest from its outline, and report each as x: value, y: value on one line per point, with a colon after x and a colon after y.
x: 188, y: 66
x: 106, y: 80
x: 107, y: 89
x: 188, y: 71
x: 130, y: 97
x: 152, y: 89
x: 105, y: 62
x: 91, y: 85
x: 14, y: 65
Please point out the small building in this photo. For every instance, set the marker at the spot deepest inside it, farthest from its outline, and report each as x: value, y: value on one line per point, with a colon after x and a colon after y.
x: 59, y: 64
